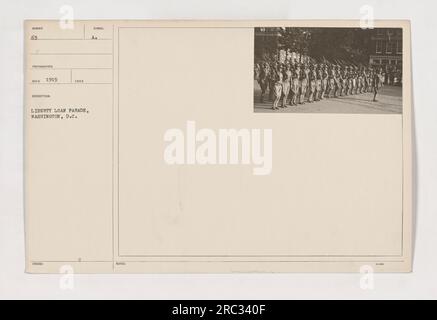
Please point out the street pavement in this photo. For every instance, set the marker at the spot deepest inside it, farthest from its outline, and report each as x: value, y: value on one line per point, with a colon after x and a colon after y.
x: 389, y: 100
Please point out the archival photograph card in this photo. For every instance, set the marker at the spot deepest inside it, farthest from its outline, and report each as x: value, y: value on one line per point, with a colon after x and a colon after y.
x: 217, y: 146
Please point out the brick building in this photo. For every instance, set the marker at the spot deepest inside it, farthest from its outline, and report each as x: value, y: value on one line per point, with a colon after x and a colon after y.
x: 386, y: 48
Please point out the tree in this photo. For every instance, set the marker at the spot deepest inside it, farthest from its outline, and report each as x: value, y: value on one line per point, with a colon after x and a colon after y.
x: 296, y: 39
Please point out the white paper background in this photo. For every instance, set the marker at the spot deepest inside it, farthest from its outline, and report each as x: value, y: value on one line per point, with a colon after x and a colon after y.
x: 422, y: 283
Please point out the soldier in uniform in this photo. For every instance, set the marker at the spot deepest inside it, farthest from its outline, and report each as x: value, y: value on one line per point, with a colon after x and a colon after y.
x: 371, y: 74
x: 338, y: 82
x: 354, y: 81
x: 277, y: 87
x: 295, y: 85
x: 325, y: 77
x: 272, y: 77
x: 358, y: 80
x: 382, y: 77
x: 303, y: 84
x: 256, y: 71
x: 366, y: 80
x: 361, y: 81
x: 352, y: 75
x: 263, y: 79
x: 319, y: 77
x: 376, y: 84
x: 286, y: 83
x: 331, y: 82
x: 349, y: 80
x: 345, y: 77
x: 312, y: 87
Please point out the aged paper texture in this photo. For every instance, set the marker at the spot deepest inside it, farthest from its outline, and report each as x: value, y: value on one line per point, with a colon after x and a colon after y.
x: 153, y: 146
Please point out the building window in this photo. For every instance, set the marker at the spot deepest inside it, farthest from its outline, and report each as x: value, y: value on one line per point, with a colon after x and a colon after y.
x: 378, y: 46
x: 380, y: 32
x: 399, y: 46
x: 388, y: 48
x: 390, y: 33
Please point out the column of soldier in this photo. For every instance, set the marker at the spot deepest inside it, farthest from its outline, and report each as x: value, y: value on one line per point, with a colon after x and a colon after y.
x: 290, y: 84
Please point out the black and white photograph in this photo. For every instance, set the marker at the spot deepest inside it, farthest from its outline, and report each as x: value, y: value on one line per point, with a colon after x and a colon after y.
x: 220, y: 158
x: 328, y: 70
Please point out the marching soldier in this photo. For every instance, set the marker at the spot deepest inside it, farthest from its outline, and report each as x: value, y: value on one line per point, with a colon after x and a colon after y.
x: 286, y: 83
x: 338, y: 82
x: 263, y: 79
x: 354, y: 81
x: 357, y: 77
x: 295, y: 86
x: 382, y: 77
x: 256, y: 71
x: 376, y: 84
x: 351, y: 80
x: 277, y: 87
x: 365, y: 81
x: 272, y: 81
x: 303, y: 84
x: 312, y: 87
x: 331, y: 82
x: 319, y: 77
x: 371, y: 74
x: 325, y: 77
x: 358, y: 81
x: 345, y: 81
x: 361, y: 81
x: 369, y: 80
